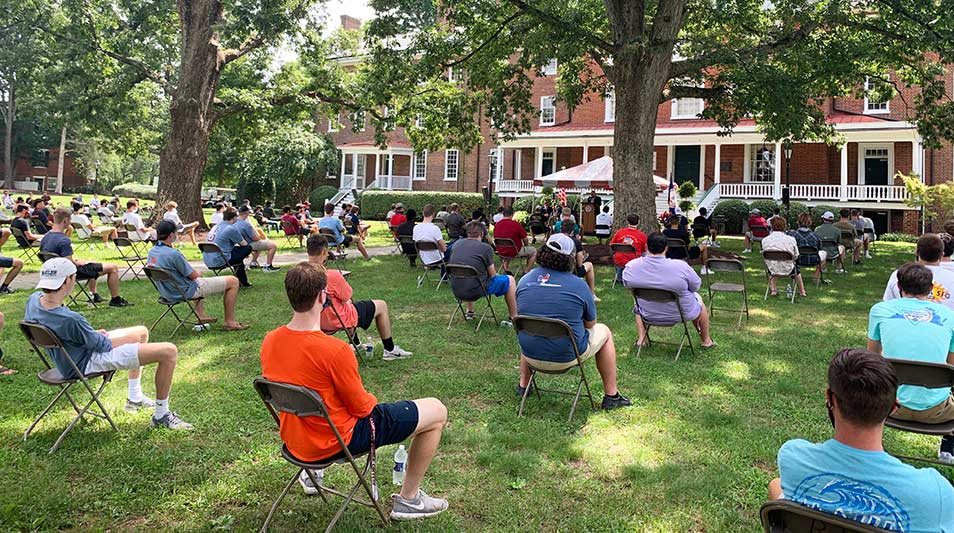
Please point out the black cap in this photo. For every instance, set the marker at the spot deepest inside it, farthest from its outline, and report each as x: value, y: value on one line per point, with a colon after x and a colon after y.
x: 164, y: 229
x: 244, y: 208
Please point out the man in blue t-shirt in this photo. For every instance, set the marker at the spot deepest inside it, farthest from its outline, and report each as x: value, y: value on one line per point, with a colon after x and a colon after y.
x: 851, y: 475
x: 258, y: 242
x: 94, y: 351
x: 333, y: 223
x: 233, y: 246
x: 186, y: 282
x: 553, y: 291
x: 913, y: 327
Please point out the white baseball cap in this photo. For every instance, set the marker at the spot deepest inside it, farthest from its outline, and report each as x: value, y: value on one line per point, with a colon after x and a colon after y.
x: 561, y: 244
x: 54, y: 272
x: 828, y: 215
x: 756, y: 211
x: 677, y: 211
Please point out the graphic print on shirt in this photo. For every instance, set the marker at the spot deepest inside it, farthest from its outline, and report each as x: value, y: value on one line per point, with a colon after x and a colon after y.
x: 861, y: 501
x: 544, y: 281
x: 939, y: 294
x: 918, y: 315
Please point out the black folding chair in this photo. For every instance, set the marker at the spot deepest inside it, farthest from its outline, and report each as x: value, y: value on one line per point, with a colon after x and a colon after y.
x: 157, y: 276
x: 551, y: 328
x: 699, y: 231
x: 831, y: 244
x: 786, y: 516
x: 397, y: 239
x: 505, y: 260
x: 83, y: 235
x: 677, y: 248
x: 662, y: 296
x: 727, y: 267
x: 621, y: 248
x: 428, y: 246
x: 350, y: 332
x: 27, y: 253
x: 762, y: 231
x: 778, y: 255
x: 213, y: 249
x: 538, y: 228
x: 806, y: 252
x: 929, y: 375
x: 80, y: 290
x: 467, y: 272
x: 291, y: 233
x: 128, y: 254
x: 406, y: 246
x: 336, y: 252
x: 39, y: 336
x: 303, y: 402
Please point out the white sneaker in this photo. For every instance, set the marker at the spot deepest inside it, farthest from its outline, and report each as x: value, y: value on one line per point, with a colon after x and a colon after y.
x: 396, y: 353
x: 704, y: 270
x: 421, y: 507
x: 867, y: 255
x: 945, y: 457
x: 747, y: 251
x: 306, y: 485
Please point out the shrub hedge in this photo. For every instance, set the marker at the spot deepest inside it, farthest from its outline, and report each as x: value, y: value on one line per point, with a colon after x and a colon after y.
x: 137, y: 190
x: 898, y: 237
x: 375, y: 204
x: 735, y: 213
x: 320, y: 194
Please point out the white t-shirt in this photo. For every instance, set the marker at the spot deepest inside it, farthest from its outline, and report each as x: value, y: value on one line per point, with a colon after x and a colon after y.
x: 105, y: 210
x: 604, y: 219
x: 216, y: 218
x: 94, y: 203
x: 82, y: 220
x: 943, y: 292
x: 134, y: 219
x: 428, y: 231
x: 498, y: 217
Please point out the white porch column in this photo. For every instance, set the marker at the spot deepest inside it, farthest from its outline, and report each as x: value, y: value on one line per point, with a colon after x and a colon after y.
x: 670, y: 154
x: 343, y: 182
x: 844, y: 173
x: 777, y: 159
x: 716, y: 170
x: 538, y: 167
x: 518, y: 163
x: 702, y: 167
x: 916, y: 159
x: 390, y: 170
x: 354, y: 171
x: 586, y: 151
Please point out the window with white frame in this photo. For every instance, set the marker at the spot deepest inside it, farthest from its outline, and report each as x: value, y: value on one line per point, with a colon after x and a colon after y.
x: 549, y: 162
x: 454, y: 74
x: 762, y: 163
x: 419, y: 121
x: 451, y: 164
x: 547, y: 110
x: 493, y: 162
x: 687, y: 107
x: 334, y: 124
x: 873, y: 106
x: 609, y: 103
x: 420, y: 165
x: 357, y: 120
x: 550, y: 69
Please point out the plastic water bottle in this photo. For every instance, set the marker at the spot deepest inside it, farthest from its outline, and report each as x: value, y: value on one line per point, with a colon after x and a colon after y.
x: 400, y: 461
x: 368, y: 348
x: 788, y: 291
x: 201, y: 327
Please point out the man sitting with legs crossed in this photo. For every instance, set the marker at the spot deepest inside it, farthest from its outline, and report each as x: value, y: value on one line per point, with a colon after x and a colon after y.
x: 300, y: 354
x: 100, y: 350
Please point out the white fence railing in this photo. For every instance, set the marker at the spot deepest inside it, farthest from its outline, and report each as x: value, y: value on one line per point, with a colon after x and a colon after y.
x: 515, y: 186
x: 877, y: 193
x: 392, y: 183
x: 746, y: 190
x: 816, y: 192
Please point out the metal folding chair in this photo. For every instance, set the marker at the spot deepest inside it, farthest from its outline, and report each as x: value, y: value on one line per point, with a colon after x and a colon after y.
x: 157, y: 276
x: 808, y: 251
x: 778, y: 255
x: 870, y: 234
x: 406, y: 246
x: 212, y: 248
x: 129, y: 255
x: 27, y: 253
x: 39, y: 336
x: 675, y: 245
x: 763, y: 230
x: 291, y: 231
x: 621, y: 248
x: 83, y: 235
x: 336, y: 252
x: 504, y: 259
x: 81, y: 289
x: 351, y: 333
x: 551, y: 328
x: 304, y: 402
x: 138, y: 241
x: 662, y: 296
x: 786, y: 516
x: 428, y: 246
x: 932, y: 376
x: 830, y: 244
x: 467, y: 272
x: 727, y: 266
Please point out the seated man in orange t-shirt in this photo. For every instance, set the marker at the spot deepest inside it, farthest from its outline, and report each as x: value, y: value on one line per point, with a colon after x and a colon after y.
x: 300, y: 354
x: 628, y: 235
x: 353, y: 314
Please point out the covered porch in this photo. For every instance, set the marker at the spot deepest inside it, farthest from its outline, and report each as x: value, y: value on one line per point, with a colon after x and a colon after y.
x: 365, y: 166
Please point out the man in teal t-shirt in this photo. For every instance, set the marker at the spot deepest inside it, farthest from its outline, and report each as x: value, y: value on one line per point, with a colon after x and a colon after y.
x: 851, y: 475
x: 915, y: 328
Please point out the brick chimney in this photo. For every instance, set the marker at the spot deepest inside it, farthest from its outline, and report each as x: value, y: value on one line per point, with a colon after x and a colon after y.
x: 350, y: 23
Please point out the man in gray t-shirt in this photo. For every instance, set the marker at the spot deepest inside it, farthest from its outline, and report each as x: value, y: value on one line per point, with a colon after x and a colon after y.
x: 474, y: 252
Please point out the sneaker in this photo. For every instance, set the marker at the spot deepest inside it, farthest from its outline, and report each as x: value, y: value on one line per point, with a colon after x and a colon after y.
x: 867, y: 255
x: 422, y: 506
x: 522, y: 390
x: 596, y: 299
x: 715, y: 245
x: 747, y: 251
x: 615, y: 402
x: 840, y: 271
x: 306, y: 485
x: 396, y: 353
x: 253, y: 265
x: 171, y: 421
x: 506, y: 324
x: 705, y: 270
x: 135, y: 407
x: 6, y: 290
x: 945, y: 457
x: 469, y: 315
x: 119, y: 301
x: 97, y: 299
x: 270, y: 268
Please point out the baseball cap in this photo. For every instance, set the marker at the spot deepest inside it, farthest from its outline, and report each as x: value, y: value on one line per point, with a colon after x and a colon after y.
x: 828, y: 215
x: 677, y: 211
x: 164, y: 229
x: 561, y: 244
x: 756, y: 211
x: 244, y: 209
x: 54, y: 272
x: 399, y: 205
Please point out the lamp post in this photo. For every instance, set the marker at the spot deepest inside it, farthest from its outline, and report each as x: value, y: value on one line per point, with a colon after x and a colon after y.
x: 787, y: 193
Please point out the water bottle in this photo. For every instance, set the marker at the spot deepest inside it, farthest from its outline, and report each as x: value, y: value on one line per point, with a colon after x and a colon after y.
x: 201, y: 327
x: 368, y: 348
x: 789, y: 291
x: 400, y: 461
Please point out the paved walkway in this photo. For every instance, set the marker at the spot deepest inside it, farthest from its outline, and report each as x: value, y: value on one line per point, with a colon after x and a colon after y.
x: 28, y: 280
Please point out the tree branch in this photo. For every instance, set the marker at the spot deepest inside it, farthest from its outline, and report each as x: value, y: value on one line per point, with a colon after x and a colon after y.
x: 475, y: 51
x: 688, y: 91
x: 250, y: 44
x: 553, y: 20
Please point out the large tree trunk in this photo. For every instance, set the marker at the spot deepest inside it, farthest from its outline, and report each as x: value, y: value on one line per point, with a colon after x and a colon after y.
x: 10, y: 113
x: 60, y: 161
x: 185, y: 153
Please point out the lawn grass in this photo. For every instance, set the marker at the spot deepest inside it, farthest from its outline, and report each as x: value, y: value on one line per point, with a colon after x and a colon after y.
x: 694, y: 453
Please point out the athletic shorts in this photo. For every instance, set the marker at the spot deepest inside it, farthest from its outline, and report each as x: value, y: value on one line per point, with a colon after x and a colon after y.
x: 125, y: 357
x: 393, y: 424
x: 580, y: 271
x: 366, y: 310
x: 347, y: 240
x: 527, y: 251
x: 259, y: 246
x: 499, y: 285
x: 209, y: 286
x: 6, y: 262
x: 89, y: 271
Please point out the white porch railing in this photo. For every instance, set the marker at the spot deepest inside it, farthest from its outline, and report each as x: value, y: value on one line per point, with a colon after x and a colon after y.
x: 877, y: 193
x: 816, y: 192
x: 746, y: 190
x: 391, y: 183
x: 515, y: 186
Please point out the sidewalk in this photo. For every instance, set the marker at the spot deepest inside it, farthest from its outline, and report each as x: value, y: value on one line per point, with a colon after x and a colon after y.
x: 28, y: 280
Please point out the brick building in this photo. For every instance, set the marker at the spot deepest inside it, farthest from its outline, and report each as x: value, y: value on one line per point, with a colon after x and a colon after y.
x: 38, y: 173
x: 880, y: 141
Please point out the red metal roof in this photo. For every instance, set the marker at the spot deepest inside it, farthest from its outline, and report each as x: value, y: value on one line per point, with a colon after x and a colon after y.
x: 371, y: 144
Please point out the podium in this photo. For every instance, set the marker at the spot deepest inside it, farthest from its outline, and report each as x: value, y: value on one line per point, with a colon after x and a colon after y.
x: 588, y: 223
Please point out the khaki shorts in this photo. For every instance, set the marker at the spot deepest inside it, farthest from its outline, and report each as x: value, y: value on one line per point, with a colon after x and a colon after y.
x: 261, y: 245
x: 210, y: 286
x: 527, y: 251
x: 124, y: 357
x: 823, y: 255
x: 599, y: 334
x: 940, y: 413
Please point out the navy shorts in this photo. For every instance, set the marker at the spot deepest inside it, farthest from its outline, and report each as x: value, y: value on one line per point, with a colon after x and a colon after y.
x: 366, y: 310
x: 393, y: 423
x: 89, y: 271
x: 6, y: 262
